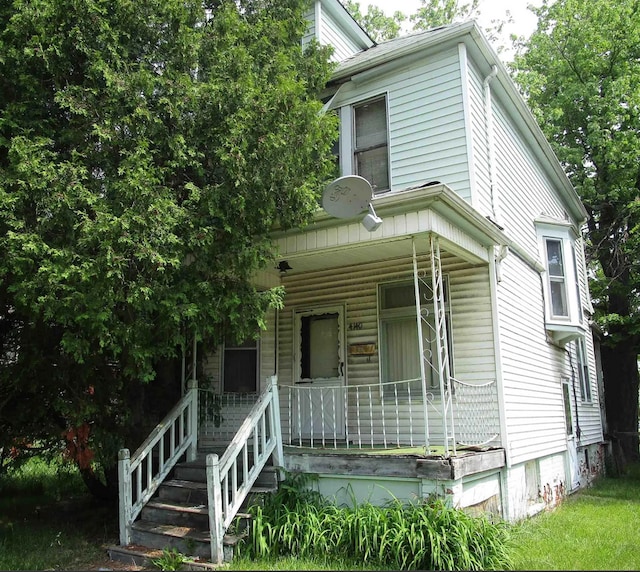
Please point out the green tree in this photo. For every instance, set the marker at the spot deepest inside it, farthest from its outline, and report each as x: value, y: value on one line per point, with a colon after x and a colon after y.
x: 146, y: 150
x: 581, y: 74
x: 375, y: 22
x: 434, y: 13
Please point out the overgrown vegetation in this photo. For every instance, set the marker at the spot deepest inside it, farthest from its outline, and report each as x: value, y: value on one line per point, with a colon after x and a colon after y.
x: 47, y: 520
x: 171, y: 559
x: 428, y: 535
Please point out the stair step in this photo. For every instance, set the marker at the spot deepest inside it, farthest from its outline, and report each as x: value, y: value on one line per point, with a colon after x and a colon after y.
x: 167, y: 512
x: 196, y: 471
x: 141, y: 558
x: 194, y: 543
x: 185, y: 539
x: 180, y: 490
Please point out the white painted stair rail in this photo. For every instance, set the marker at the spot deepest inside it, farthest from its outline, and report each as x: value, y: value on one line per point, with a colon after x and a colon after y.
x: 140, y: 475
x: 230, y: 478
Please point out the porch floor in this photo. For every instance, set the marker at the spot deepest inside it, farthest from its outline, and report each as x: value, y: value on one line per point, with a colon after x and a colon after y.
x: 376, y: 450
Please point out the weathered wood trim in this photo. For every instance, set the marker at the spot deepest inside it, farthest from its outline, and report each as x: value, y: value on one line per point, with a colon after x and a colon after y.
x: 403, y: 466
x: 356, y: 465
x: 477, y: 463
x: 434, y: 469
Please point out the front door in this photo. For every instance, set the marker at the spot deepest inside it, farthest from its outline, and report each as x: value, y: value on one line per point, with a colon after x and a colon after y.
x: 318, y: 407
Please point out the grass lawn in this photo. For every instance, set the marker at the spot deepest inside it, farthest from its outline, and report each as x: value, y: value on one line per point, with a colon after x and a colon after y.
x: 595, y: 529
x: 48, y: 522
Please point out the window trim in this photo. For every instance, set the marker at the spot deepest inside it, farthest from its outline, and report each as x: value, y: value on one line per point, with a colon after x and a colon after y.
x: 561, y: 328
x: 347, y: 138
x: 582, y: 363
x: 557, y: 279
x: 234, y: 347
x: 394, y: 314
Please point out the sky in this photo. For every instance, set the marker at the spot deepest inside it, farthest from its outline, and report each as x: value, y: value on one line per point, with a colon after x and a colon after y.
x: 524, y: 21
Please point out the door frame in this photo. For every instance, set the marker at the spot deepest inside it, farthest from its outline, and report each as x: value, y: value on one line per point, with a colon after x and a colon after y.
x: 332, y: 422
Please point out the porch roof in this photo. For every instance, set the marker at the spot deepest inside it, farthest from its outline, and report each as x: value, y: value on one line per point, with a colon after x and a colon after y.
x: 409, y: 214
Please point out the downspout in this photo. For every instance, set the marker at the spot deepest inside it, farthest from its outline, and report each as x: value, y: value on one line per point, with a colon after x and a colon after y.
x: 488, y: 119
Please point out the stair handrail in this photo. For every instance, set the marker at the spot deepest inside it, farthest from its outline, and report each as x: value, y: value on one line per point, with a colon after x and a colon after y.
x: 181, y: 427
x: 222, y: 509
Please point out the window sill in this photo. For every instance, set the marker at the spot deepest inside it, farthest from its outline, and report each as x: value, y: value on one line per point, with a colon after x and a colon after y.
x: 564, y: 333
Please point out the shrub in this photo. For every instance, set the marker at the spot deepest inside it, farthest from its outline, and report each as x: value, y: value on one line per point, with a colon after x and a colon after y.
x: 427, y: 535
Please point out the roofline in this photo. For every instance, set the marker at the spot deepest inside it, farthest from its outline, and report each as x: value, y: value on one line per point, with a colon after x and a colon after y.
x: 470, y: 29
x: 343, y: 15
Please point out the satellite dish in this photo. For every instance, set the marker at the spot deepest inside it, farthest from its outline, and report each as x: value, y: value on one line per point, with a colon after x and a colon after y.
x: 347, y: 196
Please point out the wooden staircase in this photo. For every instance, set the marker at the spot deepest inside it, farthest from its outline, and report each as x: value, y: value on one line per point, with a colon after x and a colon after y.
x: 177, y: 517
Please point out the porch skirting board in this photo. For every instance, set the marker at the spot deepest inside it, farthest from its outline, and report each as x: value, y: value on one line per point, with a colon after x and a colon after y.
x: 455, y: 468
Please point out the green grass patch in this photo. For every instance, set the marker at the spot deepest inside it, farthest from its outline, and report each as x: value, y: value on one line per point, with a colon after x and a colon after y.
x: 595, y: 529
x: 47, y: 519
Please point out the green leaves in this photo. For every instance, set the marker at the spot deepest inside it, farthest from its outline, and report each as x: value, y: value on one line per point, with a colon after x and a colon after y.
x: 428, y: 535
x: 145, y: 155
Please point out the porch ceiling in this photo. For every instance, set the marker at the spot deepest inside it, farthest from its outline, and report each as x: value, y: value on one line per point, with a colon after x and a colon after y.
x: 359, y: 254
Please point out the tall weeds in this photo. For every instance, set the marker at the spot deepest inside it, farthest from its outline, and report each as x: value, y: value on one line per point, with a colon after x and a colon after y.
x: 429, y: 535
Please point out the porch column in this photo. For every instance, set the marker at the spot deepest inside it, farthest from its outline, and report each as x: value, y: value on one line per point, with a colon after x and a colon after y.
x: 423, y: 376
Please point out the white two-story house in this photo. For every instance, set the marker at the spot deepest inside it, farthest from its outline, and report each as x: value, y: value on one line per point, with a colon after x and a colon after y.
x: 436, y: 331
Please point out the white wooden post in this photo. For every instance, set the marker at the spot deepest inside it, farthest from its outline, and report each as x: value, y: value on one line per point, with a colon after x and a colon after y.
x: 214, y: 497
x: 423, y: 374
x: 192, y: 451
x: 125, y: 496
x: 276, y: 424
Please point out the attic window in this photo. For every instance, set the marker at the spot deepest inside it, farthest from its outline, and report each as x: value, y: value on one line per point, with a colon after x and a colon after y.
x: 371, y: 143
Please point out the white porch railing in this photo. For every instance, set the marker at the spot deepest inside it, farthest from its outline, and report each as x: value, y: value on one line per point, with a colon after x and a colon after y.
x: 230, y: 478
x: 140, y: 475
x: 383, y: 415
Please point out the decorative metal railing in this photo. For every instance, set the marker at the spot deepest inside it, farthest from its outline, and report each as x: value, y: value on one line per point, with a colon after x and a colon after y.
x: 221, y: 414
x: 383, y: 415
x: 475, y: 412
x: 140, y: 475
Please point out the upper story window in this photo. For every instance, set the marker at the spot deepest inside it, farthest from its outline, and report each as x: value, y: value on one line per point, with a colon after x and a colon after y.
x: 563, y: 305
x: 557, y: 278
x: 371, y: 143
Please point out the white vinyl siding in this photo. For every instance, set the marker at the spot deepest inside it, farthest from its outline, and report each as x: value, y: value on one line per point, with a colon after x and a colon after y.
x: 333, y: 34
x: 532, y: 368
x: 482, y: 192
x: 427, y: 137
x: 525, y: 192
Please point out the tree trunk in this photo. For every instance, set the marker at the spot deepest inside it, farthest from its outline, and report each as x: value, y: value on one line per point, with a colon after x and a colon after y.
x: 620, y: 373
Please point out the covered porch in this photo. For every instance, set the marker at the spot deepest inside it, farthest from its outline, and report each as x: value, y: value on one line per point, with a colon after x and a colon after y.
x: 387, y: 338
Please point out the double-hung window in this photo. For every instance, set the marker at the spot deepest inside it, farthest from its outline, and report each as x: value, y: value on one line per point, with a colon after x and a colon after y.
x: 400, y: 358
x: 583, y: 370
x: 240, y: 366
x: 371, y: 143
x: 557, y: 278
x: 563, y: 306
